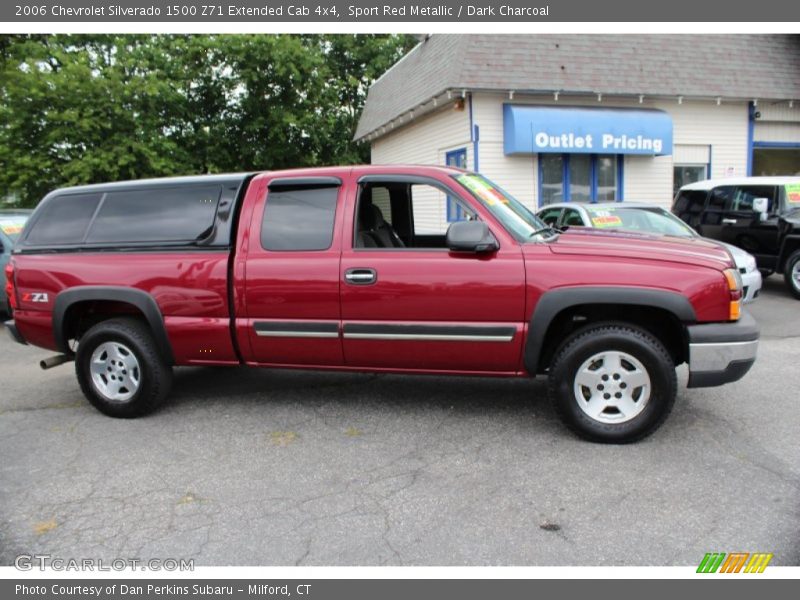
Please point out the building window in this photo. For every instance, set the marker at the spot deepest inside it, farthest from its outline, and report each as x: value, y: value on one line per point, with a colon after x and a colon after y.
x: 551, y: 178
x: 686, y: 174
x: 455, y: 158
x: 607, y: 175
x: 579, y: 178
x: 782, y: 159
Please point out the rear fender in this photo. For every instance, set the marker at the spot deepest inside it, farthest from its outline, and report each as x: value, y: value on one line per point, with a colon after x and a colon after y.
x: 143, y: 301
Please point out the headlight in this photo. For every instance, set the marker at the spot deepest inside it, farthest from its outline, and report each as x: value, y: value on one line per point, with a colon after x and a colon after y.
x: 734, y: 280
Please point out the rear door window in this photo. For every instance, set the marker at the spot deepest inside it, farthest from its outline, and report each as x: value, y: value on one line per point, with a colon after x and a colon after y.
x: 299, y: 218
x: 63, y: 220
x: 176, y: 214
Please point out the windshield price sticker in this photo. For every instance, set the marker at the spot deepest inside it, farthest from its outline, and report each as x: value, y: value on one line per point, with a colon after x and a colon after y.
x: 608, y: 220
x: 11, y: 228
x: 486, y: 193
x: 793, y: 193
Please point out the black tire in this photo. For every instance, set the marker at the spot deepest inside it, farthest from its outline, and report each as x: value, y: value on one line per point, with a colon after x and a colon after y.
x: 792, y: 283
x: 153, y: 374
x: 620, y: 339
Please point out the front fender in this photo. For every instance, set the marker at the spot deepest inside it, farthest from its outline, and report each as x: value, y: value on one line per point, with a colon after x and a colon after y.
x: 551, y: 303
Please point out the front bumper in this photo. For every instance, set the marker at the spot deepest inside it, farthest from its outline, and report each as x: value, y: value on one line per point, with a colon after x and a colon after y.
x: 14, y: 332
x: 720, y: 353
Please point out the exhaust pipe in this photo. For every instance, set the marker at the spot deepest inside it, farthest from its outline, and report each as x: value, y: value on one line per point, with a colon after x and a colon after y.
x: 54, y: 361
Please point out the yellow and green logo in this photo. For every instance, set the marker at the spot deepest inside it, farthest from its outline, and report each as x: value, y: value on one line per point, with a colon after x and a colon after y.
x: 735, y: 562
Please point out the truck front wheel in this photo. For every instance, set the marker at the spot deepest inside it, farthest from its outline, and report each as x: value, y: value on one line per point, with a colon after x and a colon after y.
x: 791, y: 273
x: 612, y: 383
x: 120, y: 370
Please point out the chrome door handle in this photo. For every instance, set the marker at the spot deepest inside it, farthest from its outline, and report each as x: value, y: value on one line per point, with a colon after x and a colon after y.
x: 729, y: 221
x: 360, y: 276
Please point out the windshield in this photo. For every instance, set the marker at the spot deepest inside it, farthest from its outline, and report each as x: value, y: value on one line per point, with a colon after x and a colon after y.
x: 643, y: 219
x: 517, y: 219
x: 12, y: 226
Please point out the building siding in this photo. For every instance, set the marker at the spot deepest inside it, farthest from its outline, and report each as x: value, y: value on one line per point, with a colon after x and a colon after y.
x: 774, y: 131
x: 703, y: 131
x: 427, y: 140
x: 515, y: 174
x: 687, y: 154
x: 646, y: 179
x: 779, y: 111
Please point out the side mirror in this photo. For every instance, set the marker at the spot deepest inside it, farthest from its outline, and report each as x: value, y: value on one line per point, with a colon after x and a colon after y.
x: 761, y: 206
x: 470, y: 236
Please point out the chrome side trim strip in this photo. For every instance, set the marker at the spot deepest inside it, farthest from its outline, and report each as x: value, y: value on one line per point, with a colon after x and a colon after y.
x: 386, y: 331
x: 438, y: 332
x: 429, y: 337
x: 297, y: 329
x: 298, y: 334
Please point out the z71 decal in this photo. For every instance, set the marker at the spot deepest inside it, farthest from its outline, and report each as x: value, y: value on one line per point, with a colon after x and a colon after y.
x: 40, y: 297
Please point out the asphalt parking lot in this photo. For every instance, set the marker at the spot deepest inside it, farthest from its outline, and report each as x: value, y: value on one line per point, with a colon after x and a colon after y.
x: 255, y: 467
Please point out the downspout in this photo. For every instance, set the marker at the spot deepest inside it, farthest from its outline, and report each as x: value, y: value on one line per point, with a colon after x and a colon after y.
x: 474, y: 137
x: 751, y: 123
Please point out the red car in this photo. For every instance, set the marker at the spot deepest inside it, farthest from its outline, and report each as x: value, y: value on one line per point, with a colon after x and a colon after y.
x: 358, y: 268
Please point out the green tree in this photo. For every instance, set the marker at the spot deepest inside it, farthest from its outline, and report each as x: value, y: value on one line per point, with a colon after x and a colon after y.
x: 80, y: 109
x: 354, y: 62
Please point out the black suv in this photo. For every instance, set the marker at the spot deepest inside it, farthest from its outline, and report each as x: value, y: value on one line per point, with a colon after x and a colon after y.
x: 758, y: 214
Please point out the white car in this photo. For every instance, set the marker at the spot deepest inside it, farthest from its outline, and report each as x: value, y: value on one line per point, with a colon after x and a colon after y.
x: 645, y: 218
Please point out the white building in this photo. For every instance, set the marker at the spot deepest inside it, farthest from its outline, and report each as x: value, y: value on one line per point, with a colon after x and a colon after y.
x: 591, y: 117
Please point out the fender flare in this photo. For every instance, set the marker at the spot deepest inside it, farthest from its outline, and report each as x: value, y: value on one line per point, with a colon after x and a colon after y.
x: 138, y: 298
x: 553, y: 302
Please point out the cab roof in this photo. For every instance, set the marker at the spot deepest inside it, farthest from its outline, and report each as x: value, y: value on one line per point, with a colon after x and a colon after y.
x: 153, y: 182
x: 241, y: 177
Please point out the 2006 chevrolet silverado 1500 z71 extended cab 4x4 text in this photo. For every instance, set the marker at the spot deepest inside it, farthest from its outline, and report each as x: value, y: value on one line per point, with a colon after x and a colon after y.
x: 357, y: 268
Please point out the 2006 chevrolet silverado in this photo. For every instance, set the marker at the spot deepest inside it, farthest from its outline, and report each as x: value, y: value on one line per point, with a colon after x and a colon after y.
x: 357, y: 268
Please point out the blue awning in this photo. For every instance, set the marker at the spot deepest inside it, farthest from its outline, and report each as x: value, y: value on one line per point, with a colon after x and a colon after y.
x: 536, y: 129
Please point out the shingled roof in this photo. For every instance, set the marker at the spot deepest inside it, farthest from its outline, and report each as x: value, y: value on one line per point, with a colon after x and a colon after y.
x: 708, y: 66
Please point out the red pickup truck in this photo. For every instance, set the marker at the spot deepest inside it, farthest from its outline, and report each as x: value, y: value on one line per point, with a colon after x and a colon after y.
x: 410, y: 269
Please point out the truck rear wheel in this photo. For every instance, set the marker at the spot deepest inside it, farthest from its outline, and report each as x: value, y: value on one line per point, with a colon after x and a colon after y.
x: 791, y: 273
x: 120, y: 370
x: 612, y: 383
